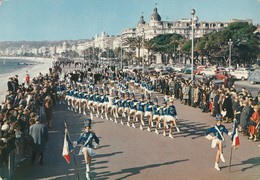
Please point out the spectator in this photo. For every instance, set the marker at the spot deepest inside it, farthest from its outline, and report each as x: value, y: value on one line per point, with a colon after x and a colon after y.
x: 39, y: 134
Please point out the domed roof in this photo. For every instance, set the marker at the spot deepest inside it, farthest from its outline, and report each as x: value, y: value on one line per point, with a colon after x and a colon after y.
x: 141, y: 22
x: 155, y: 16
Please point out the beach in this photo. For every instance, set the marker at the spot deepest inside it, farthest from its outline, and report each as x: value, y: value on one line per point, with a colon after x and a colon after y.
x: 33, y: 70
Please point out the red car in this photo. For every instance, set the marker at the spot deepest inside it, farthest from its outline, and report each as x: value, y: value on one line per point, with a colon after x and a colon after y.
x: 198, y: 70
x: 221, y: 75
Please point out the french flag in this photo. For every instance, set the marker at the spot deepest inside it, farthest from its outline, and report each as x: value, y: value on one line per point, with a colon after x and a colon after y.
x: 67, y: 147
x: 235, y: 137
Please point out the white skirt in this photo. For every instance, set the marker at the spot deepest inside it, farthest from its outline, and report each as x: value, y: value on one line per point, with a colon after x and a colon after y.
x: 148, y: 113
x: 139, y: 113
x: 169, y: 118
x: 132, y: 111
x: 156, y: 116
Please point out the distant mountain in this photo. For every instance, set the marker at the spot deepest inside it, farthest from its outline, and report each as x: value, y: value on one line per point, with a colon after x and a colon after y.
x: 36, y: 44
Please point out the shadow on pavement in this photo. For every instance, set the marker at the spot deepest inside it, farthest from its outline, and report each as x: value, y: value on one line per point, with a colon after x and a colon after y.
x: 126, y: 173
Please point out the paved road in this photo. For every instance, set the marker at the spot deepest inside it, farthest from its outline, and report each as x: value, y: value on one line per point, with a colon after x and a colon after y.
x: 128, y: 153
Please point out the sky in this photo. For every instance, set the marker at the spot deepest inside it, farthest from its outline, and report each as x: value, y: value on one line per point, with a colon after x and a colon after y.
x: 36, y: 20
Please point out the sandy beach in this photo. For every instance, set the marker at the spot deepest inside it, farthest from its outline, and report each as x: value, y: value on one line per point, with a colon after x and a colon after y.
x: 33, y: 70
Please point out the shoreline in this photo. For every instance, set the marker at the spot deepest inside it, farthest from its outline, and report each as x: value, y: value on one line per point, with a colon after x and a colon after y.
x: 43, y: 65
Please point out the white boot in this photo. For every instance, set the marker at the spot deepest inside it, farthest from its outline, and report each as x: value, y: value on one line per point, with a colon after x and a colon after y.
x: 141, y: 127
x: 128, y: 124
x: 164, y: 134
x: 87, y: 168
x: 170, y: 136
x: 178, y: 130
x: 156, y: 131
x: 122, y: 122
x: 142, y: 122
x: 222, y: 157
x: 148, y: 129
x: 216, y: 166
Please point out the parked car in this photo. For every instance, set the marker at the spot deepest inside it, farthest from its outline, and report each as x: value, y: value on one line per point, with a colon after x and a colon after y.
x: 179, y: 68
x: 187, y: 71
x: 159, y: 67
x: 170, y: 69
x: 164, y: 73
x: 221, y: 75
x: 254, y: 77
x: 198, y: 70
x: 208, y: 72
x: 240, y: 73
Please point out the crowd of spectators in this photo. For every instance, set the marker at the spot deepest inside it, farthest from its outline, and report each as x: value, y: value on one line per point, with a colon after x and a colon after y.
x: 23, y: 104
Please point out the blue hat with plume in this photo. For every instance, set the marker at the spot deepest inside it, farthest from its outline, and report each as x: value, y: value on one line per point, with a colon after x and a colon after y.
x: 87, y: 122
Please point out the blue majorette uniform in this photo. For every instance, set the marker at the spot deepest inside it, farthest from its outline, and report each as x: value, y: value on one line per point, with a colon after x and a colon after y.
x: 120, y: 103
x: 133, y: 104
x: 75, y: 95
x: 163, y: 110
x: 127, y: 102
x: 149, y: 108
x: 60, y: 89
x: 96, y: 99
x: 90, y: 97
x: 136, y: 81
x: 84, y: 96
x: 68, y: 94
x: 156, y: 110
x: 85, y: 136
x: 141, y: 106
x: 101, y: 98
x: 115, y: 100
x: 171, y: 113
x: 106, y: 99
x: 222, y: 129
x: 150, y: 88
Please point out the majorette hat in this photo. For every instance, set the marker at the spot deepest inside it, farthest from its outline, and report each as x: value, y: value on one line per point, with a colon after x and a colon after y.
x: 155, y: 100
x: 218, y: 117
x: 87, y: 122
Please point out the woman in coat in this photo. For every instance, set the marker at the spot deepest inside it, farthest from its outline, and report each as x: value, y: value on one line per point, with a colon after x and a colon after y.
x: 254, y: 123
x: 227, y: 106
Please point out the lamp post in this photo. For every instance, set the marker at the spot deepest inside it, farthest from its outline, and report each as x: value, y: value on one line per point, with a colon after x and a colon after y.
x: 230, y: 43
x: 179, y: 51
x: 143, y: 54
x: 194, y: 19
x: 121, y: 53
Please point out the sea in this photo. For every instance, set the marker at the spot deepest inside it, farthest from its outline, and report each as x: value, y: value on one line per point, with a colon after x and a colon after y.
x: 12, y: 65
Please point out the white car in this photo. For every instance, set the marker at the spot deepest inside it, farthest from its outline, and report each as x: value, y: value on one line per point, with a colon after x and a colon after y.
x: 208, y: 72
x: 242, y: 74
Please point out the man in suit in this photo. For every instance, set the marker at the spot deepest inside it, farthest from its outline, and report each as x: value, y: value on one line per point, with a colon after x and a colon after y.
x: 39, y: 134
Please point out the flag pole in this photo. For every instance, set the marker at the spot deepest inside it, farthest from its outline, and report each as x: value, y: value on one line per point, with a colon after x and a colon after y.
x: 74, y: 158
x: 231, y: 153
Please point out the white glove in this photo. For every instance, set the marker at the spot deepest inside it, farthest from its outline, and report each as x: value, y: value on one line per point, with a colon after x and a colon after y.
x: 209, y: 137
x: 96, y: 146
x: 75, y: 143
x: 176, y: 117
x: 229, y: 133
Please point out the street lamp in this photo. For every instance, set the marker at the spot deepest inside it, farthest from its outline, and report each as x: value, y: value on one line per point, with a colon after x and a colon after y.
x: 194, y: 19
x: 230, y: 43
x: 121, y: 52
x: 143, y: 54
x: 179, y: 52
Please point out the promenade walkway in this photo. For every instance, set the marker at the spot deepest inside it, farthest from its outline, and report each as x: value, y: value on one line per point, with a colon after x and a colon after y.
x: 128, y: 153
